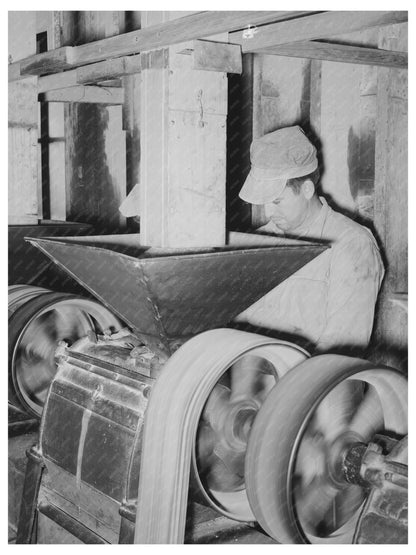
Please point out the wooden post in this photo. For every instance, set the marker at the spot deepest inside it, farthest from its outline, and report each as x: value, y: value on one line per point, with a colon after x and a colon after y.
x: 347, y: 103
x: 95, y: 140
x: 391, y: 200
x: 183, y: 155
x: 23, y: 126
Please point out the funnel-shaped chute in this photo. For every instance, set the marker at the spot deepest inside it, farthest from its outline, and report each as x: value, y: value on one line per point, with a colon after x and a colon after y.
x: 169, y: 294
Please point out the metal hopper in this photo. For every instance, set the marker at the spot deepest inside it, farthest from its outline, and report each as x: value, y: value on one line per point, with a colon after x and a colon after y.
x: 171, y: 294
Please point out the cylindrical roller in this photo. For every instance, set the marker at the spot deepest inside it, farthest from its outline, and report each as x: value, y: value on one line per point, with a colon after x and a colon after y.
x: 294, y: 464
x: 20, y: 294
x: 38, y: 321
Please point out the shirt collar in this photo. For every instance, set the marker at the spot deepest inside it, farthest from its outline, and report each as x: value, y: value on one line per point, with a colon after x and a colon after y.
x: 316, y: 229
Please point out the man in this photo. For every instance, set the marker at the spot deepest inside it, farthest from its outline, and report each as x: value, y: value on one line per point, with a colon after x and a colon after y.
x: 328, y: 305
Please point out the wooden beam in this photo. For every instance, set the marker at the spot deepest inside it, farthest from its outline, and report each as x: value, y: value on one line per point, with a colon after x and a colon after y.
x: 14, y: 72
x: 109, y: 69
x: 340, y: 53
x: 315, y: 26
x: 79, y: 93
x: 215, y: 56
x: 194, y: 26
x: 91, y: 73
x: 182, y: 148
x: 59, y: 80
x: 48, y: 62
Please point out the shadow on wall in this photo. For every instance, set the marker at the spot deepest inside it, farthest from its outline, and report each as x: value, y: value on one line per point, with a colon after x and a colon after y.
x: 93, y: 197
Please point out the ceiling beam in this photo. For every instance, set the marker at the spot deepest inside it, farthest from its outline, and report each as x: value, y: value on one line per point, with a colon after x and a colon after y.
x: 194, y: 26
x: 315, y: 26
x: 80, y: 93
x: 339, y: 53
x: 92, y: 73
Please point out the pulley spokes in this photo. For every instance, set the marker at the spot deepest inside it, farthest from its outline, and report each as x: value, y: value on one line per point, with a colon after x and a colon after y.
x: 226, y: 422
x: 303, y: 479
x: 324, y: 502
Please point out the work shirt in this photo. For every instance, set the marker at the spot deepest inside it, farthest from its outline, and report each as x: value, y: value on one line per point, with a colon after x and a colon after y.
x: 329, y: 303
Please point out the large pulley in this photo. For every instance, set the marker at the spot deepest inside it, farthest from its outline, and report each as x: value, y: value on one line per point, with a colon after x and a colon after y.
x: 205, y: 425
x: 38, y: 320
x: 226, y: 421
x: 304, y: 440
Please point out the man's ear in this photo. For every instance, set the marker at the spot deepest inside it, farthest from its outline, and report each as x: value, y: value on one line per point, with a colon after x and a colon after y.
x: 308, y: 189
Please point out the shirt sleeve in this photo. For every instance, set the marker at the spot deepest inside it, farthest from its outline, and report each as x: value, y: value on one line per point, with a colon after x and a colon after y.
x: 355, y: 275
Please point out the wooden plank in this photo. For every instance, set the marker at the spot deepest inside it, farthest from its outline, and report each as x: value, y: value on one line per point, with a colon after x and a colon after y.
x: 239, y: 137
x: 153, y: 159
x: 196, y: 179
x: 48, y: 62
x: 115, y: 149
x: 23, y: 110
x: 315, y: 26
x: 340, y: 53
x: 194, y: 26
x: 339, y: 137
x: 80, y: 93
x: 14, y: 72
x: 391, y: 201
x: 258, y: 216
x: 58, y: 81
x: 56, y: 142
x: 217, y: 56
x: 23, y: 150
x: 131, y: 123
x: 23, y: 175
x: 109, y: 69
x: 315, y: 97
x: 91, y: 73
x: 183, y: 154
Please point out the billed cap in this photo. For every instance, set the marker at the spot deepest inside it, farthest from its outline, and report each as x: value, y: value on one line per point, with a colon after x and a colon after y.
x: 275, y: 158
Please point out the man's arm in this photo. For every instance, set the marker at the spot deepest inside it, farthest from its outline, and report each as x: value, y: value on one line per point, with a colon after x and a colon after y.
x: 356, y: 272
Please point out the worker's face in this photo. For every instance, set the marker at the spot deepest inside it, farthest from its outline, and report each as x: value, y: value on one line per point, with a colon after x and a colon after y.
x: 289, y: 210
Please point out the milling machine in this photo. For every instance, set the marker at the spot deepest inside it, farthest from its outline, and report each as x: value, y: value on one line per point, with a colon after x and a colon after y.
x: 139, y: 419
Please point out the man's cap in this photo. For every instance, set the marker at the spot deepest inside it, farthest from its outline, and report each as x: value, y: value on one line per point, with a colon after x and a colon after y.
x: 275, y: 158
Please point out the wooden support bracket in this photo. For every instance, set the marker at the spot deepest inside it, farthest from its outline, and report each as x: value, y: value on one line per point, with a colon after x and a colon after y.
x: 79, y: 93
x: 215, y: 56
x: 92, y: 73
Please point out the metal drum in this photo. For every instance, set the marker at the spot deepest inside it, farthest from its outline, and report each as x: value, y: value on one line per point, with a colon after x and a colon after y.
x: 90, y: 440
x: 38, y: 320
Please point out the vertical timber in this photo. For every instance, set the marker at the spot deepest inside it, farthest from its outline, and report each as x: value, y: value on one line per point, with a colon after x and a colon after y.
x: 23, y: 204
x: 183, y: 148
x: 95, y: 141
x: 391, y: 200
